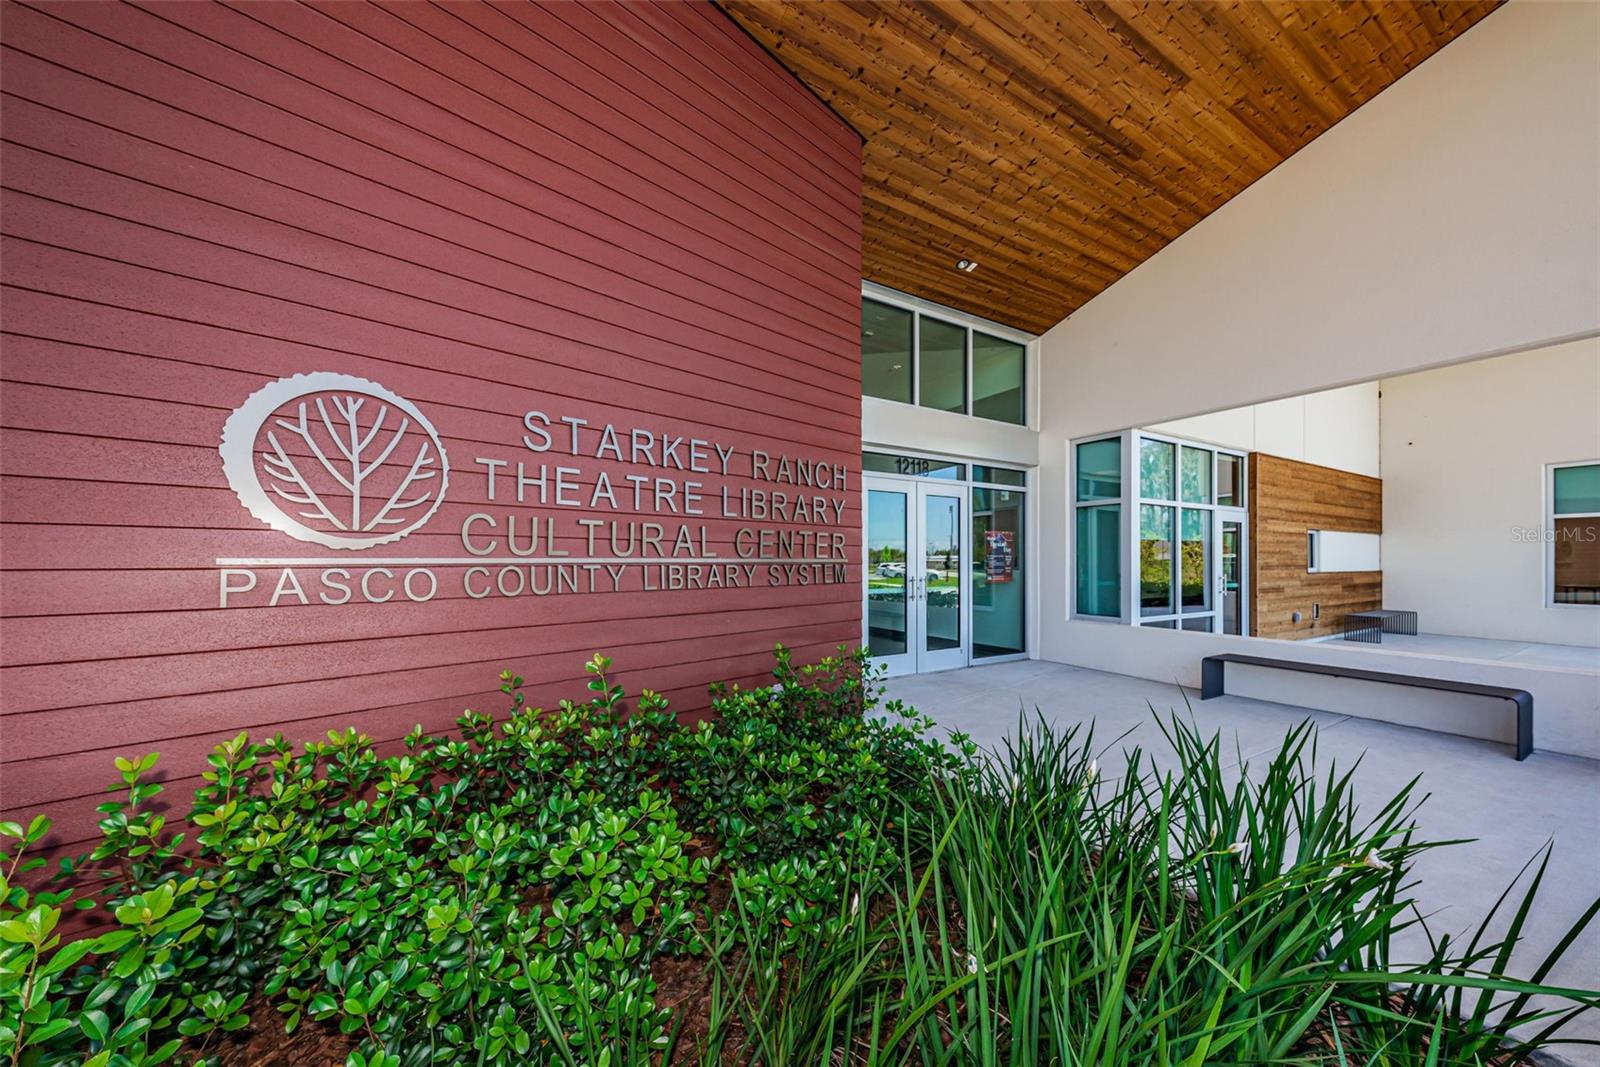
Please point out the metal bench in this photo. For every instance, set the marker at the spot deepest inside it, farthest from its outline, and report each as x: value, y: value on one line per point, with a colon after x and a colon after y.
x: 1212, y: 672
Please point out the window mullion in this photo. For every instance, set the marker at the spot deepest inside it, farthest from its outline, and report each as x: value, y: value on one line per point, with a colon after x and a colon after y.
x: 967, y: 386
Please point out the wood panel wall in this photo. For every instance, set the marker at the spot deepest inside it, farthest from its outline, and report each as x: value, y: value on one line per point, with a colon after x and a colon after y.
x: 1287, y: 500
x: 622, y: 212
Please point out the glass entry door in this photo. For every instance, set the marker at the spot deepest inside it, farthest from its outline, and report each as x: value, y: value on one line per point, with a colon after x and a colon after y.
x: 1232, y: 606
x: 915, y: 615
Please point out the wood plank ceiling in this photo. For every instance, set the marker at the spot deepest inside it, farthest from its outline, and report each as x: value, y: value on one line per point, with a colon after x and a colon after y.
x: 1061, y: 144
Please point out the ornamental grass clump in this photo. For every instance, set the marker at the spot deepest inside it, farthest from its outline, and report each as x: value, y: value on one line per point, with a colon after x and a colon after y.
x: 802, y: 878
x: 1043, y: 914
x: 1188, y: 916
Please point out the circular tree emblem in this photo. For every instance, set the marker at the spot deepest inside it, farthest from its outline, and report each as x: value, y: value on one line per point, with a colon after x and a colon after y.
x: 335, y: 460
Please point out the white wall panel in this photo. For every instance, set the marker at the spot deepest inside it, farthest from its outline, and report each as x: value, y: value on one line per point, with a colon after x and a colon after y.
x: 1464, y: 505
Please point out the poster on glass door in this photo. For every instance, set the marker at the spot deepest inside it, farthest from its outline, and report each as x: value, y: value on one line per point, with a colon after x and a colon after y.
x: 1000, y: 555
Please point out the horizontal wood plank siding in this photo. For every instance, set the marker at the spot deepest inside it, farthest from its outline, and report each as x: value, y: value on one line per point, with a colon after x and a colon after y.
x: 627, y: 213
x: 1062, y: 144
x: 1288, y: 499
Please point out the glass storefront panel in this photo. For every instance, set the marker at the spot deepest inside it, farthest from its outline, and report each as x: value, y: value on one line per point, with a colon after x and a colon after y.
x: 885, y: 351
x: 998, y: 618
x: 1155, y: 561
x: 1195, y: 549
x: 998, y: 368
x: 1100, y: 561
x: 1196, y: 476
x: 999, y: 476
x: 1155, y: 470
x: 1230, y: 480
x: 1099, y: 466
x: 942, y: 362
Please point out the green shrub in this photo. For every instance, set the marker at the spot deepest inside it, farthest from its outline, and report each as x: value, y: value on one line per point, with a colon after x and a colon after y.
x: 424, y: 902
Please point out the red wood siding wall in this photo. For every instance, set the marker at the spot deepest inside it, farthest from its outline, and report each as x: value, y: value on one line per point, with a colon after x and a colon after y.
x: 619, y: 212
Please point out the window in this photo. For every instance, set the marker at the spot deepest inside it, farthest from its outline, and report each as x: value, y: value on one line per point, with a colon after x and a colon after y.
x: 1155, y: 470
x: 1100, y: 470
x: 934, y: 361
x: 942, y: 365
x: 1155, y: 561
x: 1100, y: 561
x: 1194, y: 549
x: 999, y: 368
x: 885, y: 351
x: 1230, y: 480
x: 1168, y: 528
x: 1099, y: 528
x: 1573, y: 539
x: 999, y: 476
x: 1181, y: 486
x: 1196, y: 475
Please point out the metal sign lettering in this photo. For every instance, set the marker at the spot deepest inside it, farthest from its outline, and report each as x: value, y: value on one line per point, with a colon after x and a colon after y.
x: 347, y: 464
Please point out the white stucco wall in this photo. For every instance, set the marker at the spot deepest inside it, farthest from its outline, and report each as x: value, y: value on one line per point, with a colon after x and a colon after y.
x: 1452, y: 217
x: 890, y: 427
x: 1464, y: 452
x: 1334, y: 428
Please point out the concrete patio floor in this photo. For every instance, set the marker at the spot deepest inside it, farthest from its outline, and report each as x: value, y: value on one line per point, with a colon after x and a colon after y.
x: 1478, y: 790
x: 1568, y: 657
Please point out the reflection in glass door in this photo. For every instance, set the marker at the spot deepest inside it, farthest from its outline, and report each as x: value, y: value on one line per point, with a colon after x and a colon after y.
x: 939, y: 587
x: 998, y: 619
x: 1232, y: 611
x: 916, y: 582
x: 888, y: 621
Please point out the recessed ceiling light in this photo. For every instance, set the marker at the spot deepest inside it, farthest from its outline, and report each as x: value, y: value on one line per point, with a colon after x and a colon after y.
x: 968, y: 265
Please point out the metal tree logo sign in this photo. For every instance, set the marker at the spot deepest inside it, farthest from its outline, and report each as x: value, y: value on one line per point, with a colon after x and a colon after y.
x: 571, y: 504
x: 335, y: 460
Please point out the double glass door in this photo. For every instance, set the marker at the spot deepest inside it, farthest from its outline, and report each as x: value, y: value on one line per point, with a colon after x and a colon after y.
x: 916, y: 575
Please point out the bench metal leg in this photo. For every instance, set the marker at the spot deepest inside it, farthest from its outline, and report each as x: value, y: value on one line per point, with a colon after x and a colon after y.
x: 1401, y: 622
x: 1524, y: 702
x: 1210, y: 678
x: 1363, y: 630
